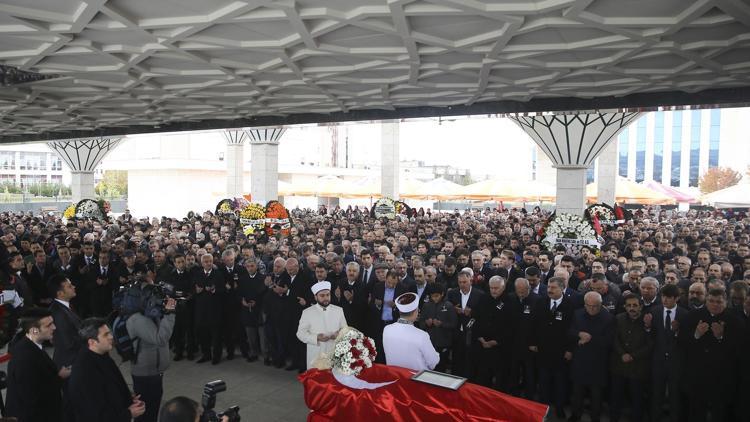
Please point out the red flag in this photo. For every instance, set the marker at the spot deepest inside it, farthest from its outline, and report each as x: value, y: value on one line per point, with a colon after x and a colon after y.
x: 597, y: 224
x: 619, y: 214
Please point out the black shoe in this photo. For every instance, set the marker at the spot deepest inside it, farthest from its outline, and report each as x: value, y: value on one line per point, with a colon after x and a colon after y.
x: 279, y: 365
x: 190, y: 356
x: 177, y: 358
x: 290, y: 368
x: 300, y: 371
x: 230, y: 357
x: 204, y: 359
x: 251, y: 358
x: 215, y: 361
x: 267, y: 362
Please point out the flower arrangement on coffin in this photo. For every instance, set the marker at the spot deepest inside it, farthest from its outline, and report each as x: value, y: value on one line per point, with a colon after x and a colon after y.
x: 353, y: 352
x: 572, y: 231
x: 277, y: 219
x: 252, y: 218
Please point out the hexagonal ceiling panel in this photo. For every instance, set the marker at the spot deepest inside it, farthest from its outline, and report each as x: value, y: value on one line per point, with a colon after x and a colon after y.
x: 126, y: 64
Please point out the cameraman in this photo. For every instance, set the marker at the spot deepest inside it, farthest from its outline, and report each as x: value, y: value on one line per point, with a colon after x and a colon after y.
x: 151, y: 339
x: 183, y: 409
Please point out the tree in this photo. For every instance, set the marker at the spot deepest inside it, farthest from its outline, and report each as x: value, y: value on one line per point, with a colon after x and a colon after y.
x: 718, y: 178
x: 114, y: 183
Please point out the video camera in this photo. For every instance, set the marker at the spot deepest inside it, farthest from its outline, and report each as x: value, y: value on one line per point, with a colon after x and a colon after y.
x: 149, y: 299
x: 210, y: 390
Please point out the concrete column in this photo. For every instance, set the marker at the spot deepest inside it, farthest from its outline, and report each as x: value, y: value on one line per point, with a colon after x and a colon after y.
x: 571, y: 189
x: 235, y: 158
x: 606, y: 174
x: 82, y: 185
x: 264, y: 155
x: 572, y: 142
x: 389, y: 163
x: 82, y: 156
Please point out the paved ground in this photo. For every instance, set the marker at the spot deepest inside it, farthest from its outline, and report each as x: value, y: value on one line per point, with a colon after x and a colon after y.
x: 264, y: 394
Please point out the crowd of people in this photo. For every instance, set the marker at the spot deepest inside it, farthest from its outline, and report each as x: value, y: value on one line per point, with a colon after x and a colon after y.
x: 654, y: 323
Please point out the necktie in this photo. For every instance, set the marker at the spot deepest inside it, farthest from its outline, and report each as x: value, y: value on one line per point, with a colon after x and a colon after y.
x: 554, y: 306
x: 668, y: 321
x: 104, y: 271
x: 364, y: 279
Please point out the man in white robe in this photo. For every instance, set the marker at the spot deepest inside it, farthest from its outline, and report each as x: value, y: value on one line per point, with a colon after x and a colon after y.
x: 406, y: 345
x: 320, y: 323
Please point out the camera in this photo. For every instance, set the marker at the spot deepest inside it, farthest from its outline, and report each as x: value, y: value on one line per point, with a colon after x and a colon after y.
x: 208, y: 401
x: 138, y: 297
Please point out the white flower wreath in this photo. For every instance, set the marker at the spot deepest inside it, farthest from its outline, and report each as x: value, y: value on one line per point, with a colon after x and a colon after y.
x: 565, y: 228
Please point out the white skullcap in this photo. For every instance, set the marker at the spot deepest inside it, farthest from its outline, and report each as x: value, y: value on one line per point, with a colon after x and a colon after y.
x: 407, y: 302
x: 321, y: 285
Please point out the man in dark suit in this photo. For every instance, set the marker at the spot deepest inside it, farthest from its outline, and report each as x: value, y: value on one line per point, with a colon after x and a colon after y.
x: 209, y: 288
x: 67, y: 322
x: 104, y: 277
x: 183, y: 336
x: 711, y: 337
x: 523, y: 364
x: 592, y: 334
x: 466, y: 300
x: 382, y: 309
x: 367, y: 270
x: 98, y: 391
x: 533, y: 276
x: 497, y: 321
x: 252, y: 291
x: 298, y: 296
x: 84, y: 265
x: 551, y: 319
x: 351, y: 296
x: 39, y: 272
x: 232, y: 305
x: 666, y: 366
x: 34, y: 380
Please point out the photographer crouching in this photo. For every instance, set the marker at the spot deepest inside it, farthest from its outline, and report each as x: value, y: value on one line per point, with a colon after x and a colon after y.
x: 150, y: 330
x: 183, y: 409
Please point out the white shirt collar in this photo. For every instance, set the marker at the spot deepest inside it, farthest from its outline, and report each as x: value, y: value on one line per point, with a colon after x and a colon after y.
x: 37, y: 344
x: 66, y: 304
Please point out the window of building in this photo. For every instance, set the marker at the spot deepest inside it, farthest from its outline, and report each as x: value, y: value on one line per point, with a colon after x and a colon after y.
x: 640, y: 150
x: 714, y: 138
x: 56, y: 179
x: 590, y: 173
x: 28, y: 180
x: 676, y: 147
x: 8, y: 178
x: 33, y: 161
x: 56, y: 163
x: 695, y: 146
x: 8, y: 160
x: 623, y: 152
x: 658, y: 145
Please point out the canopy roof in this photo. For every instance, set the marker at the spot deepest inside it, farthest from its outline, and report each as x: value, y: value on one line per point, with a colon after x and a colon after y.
x: 629, y: 192
x: 131, y: 66
x: 503, y: 190
x: 737, y: 196
x: 678, y: 195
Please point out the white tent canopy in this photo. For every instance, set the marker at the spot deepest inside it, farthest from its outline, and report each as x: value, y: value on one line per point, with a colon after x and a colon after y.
x: 737, y: 196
